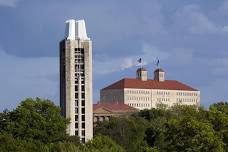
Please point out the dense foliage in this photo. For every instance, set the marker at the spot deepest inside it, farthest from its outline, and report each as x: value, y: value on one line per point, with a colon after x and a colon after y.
x: 128, y: 132
x: 37, y: 126
x: 180, y: 128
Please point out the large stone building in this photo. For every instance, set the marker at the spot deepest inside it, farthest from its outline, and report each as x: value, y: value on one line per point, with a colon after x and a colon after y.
x: 143, y: 93
x: 76, y: 80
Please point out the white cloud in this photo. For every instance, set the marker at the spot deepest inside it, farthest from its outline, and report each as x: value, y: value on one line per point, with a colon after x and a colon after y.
x: 9, y: 3
x: 27, y: 77
x: 149, y: 54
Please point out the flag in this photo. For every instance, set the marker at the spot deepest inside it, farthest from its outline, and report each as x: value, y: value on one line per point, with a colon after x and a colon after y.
x: 140, y: 60
x: 157, y: 63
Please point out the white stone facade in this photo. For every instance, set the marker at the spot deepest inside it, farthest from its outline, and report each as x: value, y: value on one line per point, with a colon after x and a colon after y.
x: 150, y: 98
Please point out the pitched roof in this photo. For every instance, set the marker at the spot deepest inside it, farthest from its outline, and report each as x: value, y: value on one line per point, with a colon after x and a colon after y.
x: 114, y: 107
x: 149, y: 84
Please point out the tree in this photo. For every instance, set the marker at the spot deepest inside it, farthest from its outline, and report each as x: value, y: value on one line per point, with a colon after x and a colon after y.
x: 153, y: 114
x: 189, y: 134
x: 218, y: 117
x: 36, y: 125
x: 103, y: 144
x: 220, y: 106
x: 128, y: 132
x: 35, y: 120
x: 8, y: 143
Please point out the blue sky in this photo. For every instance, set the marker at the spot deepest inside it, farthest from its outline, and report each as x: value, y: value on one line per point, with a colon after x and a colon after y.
x: 189, y: 37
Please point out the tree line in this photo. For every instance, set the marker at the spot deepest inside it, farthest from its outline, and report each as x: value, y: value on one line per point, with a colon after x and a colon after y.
x: 36, y: 125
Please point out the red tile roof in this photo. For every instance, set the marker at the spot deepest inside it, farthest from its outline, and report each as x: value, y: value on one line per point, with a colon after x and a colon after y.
x: 114, y: 107
x: 149, y: 84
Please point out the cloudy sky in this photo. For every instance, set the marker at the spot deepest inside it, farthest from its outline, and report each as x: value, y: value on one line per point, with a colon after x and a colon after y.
x: 189, y: 37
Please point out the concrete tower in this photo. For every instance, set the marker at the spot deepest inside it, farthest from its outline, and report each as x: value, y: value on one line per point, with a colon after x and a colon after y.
x: 76, y: 80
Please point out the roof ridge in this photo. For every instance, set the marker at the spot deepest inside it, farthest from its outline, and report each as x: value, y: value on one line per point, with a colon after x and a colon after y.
x: 150, y: 84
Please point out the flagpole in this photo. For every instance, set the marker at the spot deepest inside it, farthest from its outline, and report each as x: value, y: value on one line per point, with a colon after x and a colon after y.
x: 157, y: 63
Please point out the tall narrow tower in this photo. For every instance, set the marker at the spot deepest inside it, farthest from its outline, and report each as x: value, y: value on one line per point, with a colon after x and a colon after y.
x: 76, y: 80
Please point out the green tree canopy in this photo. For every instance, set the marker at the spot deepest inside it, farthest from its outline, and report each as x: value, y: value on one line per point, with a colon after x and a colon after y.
x: 129, y: 132
x: 36, y: 125
x: 35, y: 119
x: 103, y: 144
x: 189, y: 134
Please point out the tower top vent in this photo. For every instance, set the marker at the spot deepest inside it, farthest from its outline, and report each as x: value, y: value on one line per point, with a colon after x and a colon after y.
x: 76, y: 29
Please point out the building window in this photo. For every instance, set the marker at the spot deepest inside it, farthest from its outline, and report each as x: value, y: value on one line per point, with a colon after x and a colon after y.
x: 83, y: 117
x: 83, y: 110
x: 83, y: 88
x: 83, y: 125
x: 76, y: 110
x: 83, y: 132
x: 83, y: 102
x: 76, y: 117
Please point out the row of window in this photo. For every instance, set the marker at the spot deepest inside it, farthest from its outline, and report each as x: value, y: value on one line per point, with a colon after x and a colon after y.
x: 186, y: 100
x: 163, y: 99
x: 81, y: 67
x: 82, y: 124
x: 160, y: 99
x: 82, y: 88
x: 101, y: 118
x: 138, y: 104
x: 82, y: 103
x: 137, y: 92
x: 79, y: 51
x: 186, y: 94
x: 82, y: 82
x: 82, y: 95
x: 76, y: 118
x: 138, y: 98
x: 83, y: 132
x: 83, y: 110
x: 163, y: 93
